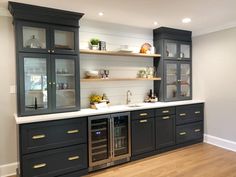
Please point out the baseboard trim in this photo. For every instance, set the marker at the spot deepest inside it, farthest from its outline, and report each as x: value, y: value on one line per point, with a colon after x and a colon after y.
x: 8, y: 169
x: 220, y: 142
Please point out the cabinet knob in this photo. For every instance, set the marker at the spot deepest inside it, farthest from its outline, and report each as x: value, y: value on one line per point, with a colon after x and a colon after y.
x: 38, y: 137
x: 179, y: 58
x: 143, y: 121
x: 49, y: 51
x: 179, y: 80
x: 54, y: 83
x: 166, y: 117
x: 49, y: 83
x: 53, y: 51
x: 72, y: 131
x: 143, y: 114
x: 40, y: 165
x: 73, y: 158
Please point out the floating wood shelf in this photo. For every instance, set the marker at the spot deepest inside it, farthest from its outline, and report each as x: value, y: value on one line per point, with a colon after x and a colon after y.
x: 114, y: 53
x: 121, y: 79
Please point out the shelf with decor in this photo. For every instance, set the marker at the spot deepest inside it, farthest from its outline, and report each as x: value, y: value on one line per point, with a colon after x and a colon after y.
x: 117, y: 53
x: 120, y: 79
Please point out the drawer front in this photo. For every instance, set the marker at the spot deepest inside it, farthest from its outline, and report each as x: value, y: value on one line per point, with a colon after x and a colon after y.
x: 54, y: 134
x: 189, y: 132
x: 189, y: 113
x: 142, y: 114
x: 55, y: 162
x: 165, y: 111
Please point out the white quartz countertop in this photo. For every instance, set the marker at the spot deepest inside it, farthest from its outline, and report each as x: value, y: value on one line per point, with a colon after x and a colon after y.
x: 92, y: 112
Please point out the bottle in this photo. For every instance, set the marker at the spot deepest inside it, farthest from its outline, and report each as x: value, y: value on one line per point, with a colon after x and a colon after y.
x: 35, y: 103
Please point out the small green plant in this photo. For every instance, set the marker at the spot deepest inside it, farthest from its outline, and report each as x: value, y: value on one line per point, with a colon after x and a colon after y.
x: 94, y: 41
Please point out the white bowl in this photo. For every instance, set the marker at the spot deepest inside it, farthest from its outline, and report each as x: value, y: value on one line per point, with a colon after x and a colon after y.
x: 92, y: 73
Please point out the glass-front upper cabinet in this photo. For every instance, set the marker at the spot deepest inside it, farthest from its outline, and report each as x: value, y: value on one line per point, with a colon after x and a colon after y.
x: 65, y: 82
x: 34, y: 90
x: 33, y: 37
x: 185, y: 80
x: 41, y: 38
x: 177, y: 50
x: 64, y: 40
x: 171, y: 80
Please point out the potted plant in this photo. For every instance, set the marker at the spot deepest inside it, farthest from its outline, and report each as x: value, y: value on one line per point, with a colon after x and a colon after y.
x: 96, y: 99
x: 94, y: 43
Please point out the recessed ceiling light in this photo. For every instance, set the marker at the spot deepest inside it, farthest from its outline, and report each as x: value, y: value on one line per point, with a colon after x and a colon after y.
x: 186, y: 20
x: 155, y: 23
x: 100, y: 13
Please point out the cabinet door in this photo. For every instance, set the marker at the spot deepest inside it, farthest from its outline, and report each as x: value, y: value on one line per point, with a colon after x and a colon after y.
x: 185, y: 82
x: 170, y: 49
x: 64, y: 40
x: 32, y: 37
x: 143, y: 136
x: 65, y: 82
x: 185, y: 50
x: 165, y: 131
x: 34, y: 84
x: 171, y: 80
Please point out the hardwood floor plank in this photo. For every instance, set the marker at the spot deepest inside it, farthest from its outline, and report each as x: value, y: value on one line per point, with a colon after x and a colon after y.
x: 200, y: 160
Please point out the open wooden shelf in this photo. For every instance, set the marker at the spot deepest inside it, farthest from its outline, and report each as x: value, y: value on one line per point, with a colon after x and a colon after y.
x: 114, y: 53
x: 120, y: 79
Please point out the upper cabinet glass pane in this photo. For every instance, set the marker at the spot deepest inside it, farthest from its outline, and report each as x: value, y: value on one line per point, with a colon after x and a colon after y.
x: 171, y: 50
x: 35, y: 75
x: 171, y: 80
x: 34, y: 38
x: 184, y: 51
x: 64, y: 40
x: 65, y: 83
x: 185, y: 78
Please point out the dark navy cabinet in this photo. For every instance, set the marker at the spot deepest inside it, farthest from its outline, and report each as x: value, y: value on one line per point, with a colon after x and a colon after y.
x: 47, y: 58
x: 175, y: 64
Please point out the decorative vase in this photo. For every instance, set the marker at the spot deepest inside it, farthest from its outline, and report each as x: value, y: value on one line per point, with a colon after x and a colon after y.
x: 94, y: 47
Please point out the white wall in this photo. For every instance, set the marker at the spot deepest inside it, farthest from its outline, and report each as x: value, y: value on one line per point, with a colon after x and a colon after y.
x: 214, y: 79
x: 114, y: 35
x: 7, y: 100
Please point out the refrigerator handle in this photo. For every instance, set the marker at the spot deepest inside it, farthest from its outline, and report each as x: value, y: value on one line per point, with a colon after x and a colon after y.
x: 111, y: 133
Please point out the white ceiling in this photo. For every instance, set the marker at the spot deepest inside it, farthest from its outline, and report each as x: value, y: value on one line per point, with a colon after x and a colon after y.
x: 206, y: 15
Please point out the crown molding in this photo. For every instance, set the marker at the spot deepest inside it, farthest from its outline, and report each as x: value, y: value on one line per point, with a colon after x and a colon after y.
x: 214, y: 29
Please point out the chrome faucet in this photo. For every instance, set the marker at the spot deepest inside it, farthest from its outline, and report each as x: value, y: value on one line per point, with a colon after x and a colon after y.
x: 129, y: 94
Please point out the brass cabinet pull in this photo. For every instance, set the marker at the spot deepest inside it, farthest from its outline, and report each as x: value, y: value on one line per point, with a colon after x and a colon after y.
x: 72, y: 131
x: 40, y: 165
x: 35, y: 137
x: 166, y: 111
x: 54, y: 83
x: 182, y: 133
x: 53, y: 51
x: 197, y: 130
x: 49, y: 83
x: 73, y: 158
x: 143, y: 121
x: 166, y: 117
x: 49, y: 51
x: 197, y: 112
x: 182, y: 114
x: 143, y: 114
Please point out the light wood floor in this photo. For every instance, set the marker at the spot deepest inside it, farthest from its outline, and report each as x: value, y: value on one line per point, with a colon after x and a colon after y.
x: 201, y: 160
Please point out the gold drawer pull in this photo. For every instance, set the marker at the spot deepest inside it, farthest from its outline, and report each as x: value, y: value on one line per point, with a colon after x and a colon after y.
x: 182, y: 114
x: 166, y: 111
x: 143, y: 114
x: 72, y: 131
x: 197, y: 130
x: 143, y: 121
x: 166, y: 117
x: 40, y: 165
x: 197, y: 112
x: 38, y: 137
x: 182, y: 133
x: 73, y: 158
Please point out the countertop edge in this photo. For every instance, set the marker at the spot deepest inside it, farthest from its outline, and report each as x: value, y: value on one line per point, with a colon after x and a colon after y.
x: 92, y: 112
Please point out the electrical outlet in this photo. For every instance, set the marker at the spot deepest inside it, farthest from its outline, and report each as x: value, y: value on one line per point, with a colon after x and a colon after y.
x: 13, y: 89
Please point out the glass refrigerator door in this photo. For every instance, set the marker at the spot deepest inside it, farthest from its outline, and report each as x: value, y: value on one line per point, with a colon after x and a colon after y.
x: 35, y: 84
x: 185, y: 80
x: 99, y: 140
x: 65, y: 83
x: 121, y: 135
